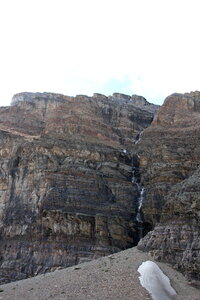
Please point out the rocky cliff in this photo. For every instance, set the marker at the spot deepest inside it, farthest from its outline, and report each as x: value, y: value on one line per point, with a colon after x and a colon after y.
x: 169, y: 165
x: 82, y: 177
x: 67, y: 192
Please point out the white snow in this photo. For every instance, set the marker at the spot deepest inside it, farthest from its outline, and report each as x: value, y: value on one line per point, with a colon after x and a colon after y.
x: 155, y: 281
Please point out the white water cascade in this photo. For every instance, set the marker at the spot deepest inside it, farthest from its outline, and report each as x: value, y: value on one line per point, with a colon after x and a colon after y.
x: 138, y: 138
x: 141, y: 190
x: 139, y: 205
x: 135, y: 180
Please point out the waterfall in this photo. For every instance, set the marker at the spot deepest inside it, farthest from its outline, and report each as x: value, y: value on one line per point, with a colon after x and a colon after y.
x: 138, y: 137
x: 141, y: 194
x: 139, y: 206
x: 136, y: 180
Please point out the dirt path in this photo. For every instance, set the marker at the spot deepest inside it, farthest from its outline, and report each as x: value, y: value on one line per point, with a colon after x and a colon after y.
x: 114, y: 277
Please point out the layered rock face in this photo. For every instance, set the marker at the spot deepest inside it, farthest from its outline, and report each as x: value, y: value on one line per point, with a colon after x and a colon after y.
x: 66, y: 190
x: 169, y: 165
x: 83, y: 177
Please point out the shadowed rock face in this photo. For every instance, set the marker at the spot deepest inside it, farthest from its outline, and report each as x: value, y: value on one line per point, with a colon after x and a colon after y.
x: 66, y: 194
x: 169, y: 166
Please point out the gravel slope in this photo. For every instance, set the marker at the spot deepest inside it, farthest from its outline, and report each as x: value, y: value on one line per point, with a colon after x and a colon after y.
x: 113, y: 277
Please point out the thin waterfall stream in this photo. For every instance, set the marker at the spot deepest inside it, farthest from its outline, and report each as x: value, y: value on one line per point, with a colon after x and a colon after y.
x: 138, y: 137
x: 139, y: 206
x: 141, y: 194
x: 136, y: 180
x: 141, y: 191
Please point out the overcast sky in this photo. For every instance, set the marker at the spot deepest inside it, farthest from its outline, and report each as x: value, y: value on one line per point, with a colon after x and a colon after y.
x: 144, y: 47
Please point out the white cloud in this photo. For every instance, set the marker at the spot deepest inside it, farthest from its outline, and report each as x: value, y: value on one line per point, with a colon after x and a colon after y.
x: 79, y: 46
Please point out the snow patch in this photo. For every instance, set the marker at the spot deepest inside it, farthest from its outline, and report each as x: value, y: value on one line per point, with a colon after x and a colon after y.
x: 155, y: 281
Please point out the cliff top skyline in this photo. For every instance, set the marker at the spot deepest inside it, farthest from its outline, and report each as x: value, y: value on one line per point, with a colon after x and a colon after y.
x: 144, y: 47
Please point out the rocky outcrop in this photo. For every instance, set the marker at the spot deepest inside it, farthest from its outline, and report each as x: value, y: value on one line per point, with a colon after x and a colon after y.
x: 169, y: 165
x: 66, y: 193
x: 143, y: 104
x: 176, y: 239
